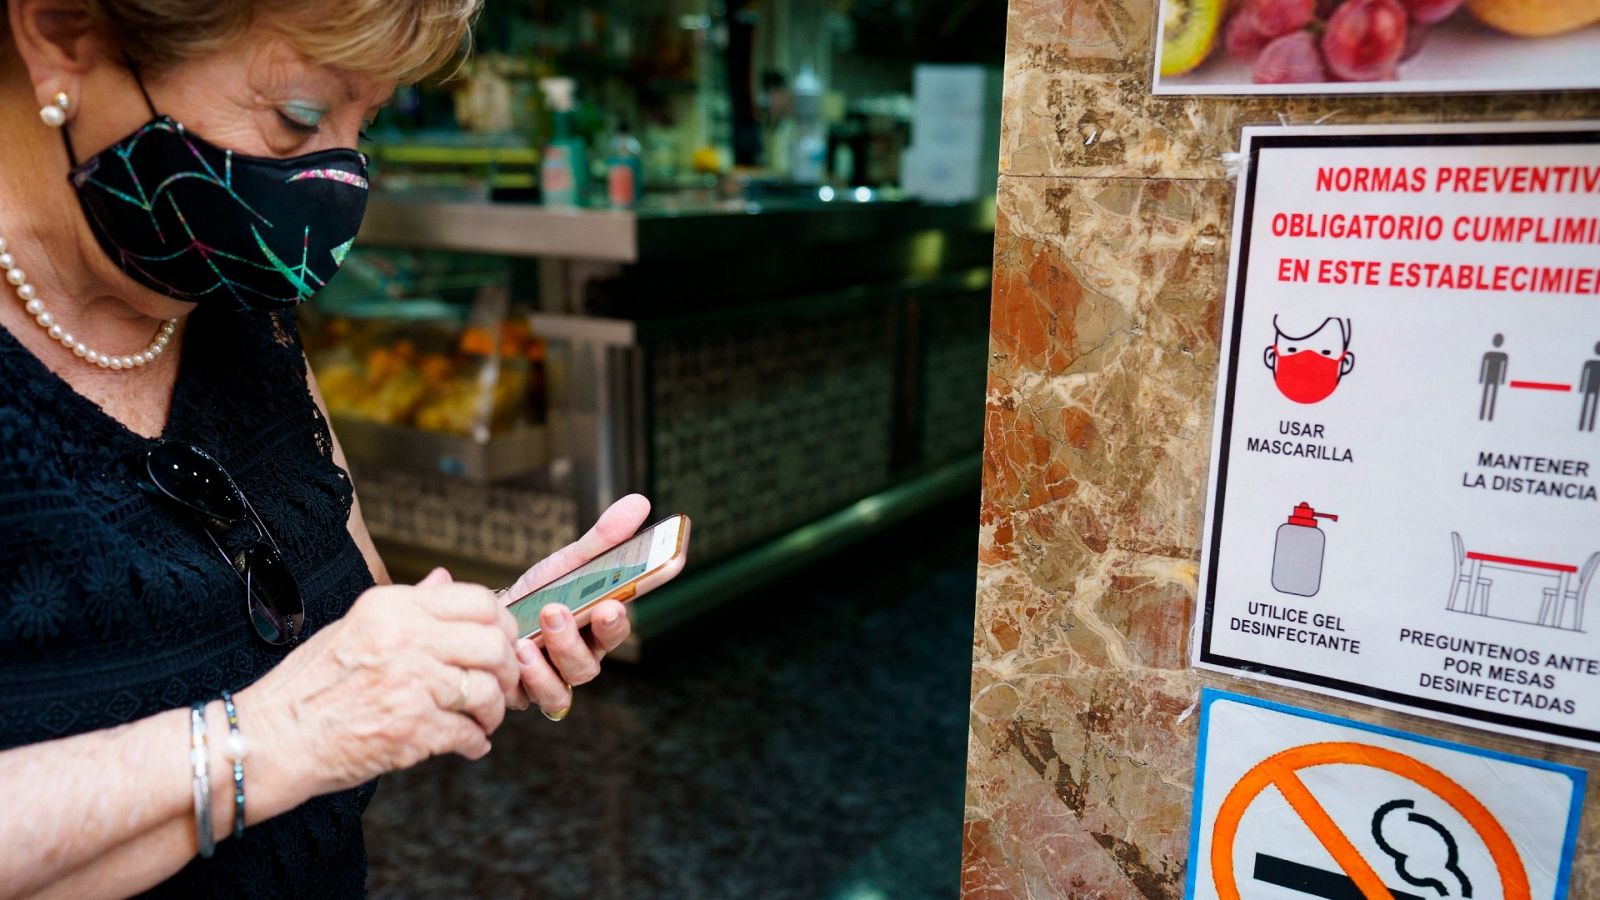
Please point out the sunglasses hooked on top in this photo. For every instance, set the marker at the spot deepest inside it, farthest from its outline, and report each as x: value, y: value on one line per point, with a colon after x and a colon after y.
x: 196, y: 483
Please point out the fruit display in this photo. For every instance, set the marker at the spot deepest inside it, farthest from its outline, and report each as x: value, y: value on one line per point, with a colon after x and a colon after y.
x: 1312, y: 41
x: 432, y: 377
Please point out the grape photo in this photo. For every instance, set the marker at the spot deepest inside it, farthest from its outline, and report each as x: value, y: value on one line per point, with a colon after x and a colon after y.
x: 1376, y: 46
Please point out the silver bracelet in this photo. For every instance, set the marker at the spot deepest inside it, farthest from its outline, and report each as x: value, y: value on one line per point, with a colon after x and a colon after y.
x: 200, y: 761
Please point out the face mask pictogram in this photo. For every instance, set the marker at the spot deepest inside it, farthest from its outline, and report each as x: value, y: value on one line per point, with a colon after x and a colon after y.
x: 1308, y: 368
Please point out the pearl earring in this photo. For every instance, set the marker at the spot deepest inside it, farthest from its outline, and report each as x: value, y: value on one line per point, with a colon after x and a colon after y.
x: 55, y: 115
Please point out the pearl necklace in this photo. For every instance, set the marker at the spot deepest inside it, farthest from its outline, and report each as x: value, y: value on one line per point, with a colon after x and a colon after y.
x: 35, y: 307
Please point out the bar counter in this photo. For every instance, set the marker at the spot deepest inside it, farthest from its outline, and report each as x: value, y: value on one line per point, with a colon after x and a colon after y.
x: 659, y: 229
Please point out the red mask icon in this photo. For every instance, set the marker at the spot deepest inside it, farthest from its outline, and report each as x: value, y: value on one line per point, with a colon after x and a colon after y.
x: 1307, y: 368
x: 1307, y: 376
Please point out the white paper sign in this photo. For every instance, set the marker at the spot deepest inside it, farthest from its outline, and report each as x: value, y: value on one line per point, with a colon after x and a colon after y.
x: 1405, y: 484
x: 1291, y: 804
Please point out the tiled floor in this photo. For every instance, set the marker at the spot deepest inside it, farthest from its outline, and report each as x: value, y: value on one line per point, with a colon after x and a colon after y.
x: 809, y: 745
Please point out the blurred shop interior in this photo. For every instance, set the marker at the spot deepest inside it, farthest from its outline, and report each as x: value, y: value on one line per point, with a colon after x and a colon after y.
x: 734, y: 255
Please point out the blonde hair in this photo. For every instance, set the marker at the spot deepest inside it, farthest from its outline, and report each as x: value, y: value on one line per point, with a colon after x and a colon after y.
x: 404, y: 40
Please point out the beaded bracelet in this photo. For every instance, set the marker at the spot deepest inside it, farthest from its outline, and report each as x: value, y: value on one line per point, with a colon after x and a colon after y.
x: 234, y: 749
x: 200, y: 761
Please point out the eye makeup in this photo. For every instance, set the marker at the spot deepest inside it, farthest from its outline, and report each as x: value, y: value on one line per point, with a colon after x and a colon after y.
x: 301, y: 115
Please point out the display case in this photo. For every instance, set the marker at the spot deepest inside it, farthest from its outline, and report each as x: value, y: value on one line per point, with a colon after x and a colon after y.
x: 424, y: 361
x: 436, y: 387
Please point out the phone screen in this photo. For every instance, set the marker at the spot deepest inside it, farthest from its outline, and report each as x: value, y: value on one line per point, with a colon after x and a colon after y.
x: 599, y: 577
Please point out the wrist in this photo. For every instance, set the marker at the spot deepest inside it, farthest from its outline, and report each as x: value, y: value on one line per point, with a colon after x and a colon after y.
x: 276, y: 779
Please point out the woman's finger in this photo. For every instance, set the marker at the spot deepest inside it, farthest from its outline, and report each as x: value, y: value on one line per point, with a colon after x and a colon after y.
x: 608, y: 626
x: 435, y: 578
x: 473, y: 693
x: 458, y: 733
x: 460, y: 601
x: 517, y: 697
x: 518, y: 700
x: 470, y: 646
x: 486, y: 700
x: 615, y: 525
x: 543, y: 685
x: 566, y: 647
x: 508, y: 625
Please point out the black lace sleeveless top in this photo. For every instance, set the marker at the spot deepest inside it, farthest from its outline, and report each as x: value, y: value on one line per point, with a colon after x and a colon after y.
x: 114, y: 607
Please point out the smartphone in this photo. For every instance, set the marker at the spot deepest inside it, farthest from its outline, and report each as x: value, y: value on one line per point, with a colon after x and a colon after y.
x: 643, y: 562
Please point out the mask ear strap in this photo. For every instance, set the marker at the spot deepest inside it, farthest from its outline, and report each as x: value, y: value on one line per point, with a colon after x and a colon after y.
x: 133, y: 69
x: 72, y: 156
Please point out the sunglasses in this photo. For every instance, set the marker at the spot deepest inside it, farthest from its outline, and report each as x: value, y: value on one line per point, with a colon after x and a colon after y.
x: 197, y: 484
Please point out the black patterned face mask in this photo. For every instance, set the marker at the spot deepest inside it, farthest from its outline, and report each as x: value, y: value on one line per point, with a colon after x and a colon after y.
x: 206, y: 225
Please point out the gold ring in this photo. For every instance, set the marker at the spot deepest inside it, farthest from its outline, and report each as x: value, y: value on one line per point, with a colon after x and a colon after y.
x: 561, y: 713
x: 461, y: 692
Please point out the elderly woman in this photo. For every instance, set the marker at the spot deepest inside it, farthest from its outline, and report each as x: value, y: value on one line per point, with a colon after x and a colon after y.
x: 199, y: 681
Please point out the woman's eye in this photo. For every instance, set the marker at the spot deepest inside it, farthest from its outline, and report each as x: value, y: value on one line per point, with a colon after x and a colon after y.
x: 300, y: 118
x: 295, y: 125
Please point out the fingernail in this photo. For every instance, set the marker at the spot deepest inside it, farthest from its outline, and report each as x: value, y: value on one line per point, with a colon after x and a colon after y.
x: 525, y: 651
x: 611, y: 617
x: 555, y: 619
x: 558, y: 715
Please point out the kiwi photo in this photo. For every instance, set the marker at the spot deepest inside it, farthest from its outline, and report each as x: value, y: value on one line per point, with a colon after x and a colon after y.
x: 1376, y: 46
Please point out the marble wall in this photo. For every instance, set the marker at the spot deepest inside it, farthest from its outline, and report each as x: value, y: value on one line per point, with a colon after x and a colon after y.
x: 1110, y: 257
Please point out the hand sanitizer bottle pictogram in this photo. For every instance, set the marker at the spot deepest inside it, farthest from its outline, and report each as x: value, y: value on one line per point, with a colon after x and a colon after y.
x: 1297, y: 556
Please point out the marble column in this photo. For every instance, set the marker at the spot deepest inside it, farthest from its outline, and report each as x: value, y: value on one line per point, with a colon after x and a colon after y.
x: 1110, y: 256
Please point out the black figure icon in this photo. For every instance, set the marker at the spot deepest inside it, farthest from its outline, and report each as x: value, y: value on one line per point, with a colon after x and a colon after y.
x: 1452, y: 854
x: 1589, y: 390
x: 1492, y: 374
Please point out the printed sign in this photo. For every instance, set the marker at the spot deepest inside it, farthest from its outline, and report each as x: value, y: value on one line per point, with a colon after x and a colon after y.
x: 1376, y: 46
x: 1405, y: 485
x: 1291, y: 804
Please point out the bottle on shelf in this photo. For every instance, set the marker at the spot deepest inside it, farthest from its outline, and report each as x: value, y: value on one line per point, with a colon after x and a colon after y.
x: 564, y: 171
x: 624, y: 169
x: 809, y: 157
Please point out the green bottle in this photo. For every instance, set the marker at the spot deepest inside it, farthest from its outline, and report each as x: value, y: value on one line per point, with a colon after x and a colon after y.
x: 564, y: 171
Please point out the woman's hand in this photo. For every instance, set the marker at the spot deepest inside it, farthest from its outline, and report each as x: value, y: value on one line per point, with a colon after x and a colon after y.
x: 408, y: 673
x: 568, y: 657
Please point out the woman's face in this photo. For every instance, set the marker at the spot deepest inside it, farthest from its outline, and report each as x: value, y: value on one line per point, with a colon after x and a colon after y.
x: 259, y: 97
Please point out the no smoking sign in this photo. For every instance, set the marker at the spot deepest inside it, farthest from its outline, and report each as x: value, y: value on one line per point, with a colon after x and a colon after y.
x: 1292, y: 804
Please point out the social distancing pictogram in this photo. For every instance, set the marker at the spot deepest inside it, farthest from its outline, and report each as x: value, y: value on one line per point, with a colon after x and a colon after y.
x: 1296, y: 804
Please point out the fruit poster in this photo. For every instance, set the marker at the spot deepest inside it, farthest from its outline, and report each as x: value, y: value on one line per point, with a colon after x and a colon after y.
x: 1404, y: 499
x: 1376, y: 46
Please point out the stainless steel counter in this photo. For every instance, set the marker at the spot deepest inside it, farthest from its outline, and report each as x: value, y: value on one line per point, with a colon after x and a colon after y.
x: 658, y: 231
